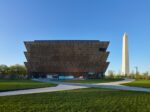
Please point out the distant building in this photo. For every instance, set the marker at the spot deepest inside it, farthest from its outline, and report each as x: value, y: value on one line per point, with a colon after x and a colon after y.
x: 62, y: 59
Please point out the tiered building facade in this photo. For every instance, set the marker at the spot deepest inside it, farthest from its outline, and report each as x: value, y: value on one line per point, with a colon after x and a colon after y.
x: 56, y: 58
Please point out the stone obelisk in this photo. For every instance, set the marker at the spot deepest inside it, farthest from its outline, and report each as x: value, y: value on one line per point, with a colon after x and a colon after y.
x: 125, y: 56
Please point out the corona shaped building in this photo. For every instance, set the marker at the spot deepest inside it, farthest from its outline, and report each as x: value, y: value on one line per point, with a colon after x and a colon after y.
x: 66, y: 58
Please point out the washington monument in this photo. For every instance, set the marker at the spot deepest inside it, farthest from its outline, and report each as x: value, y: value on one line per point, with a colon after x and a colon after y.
x: 125, y: 56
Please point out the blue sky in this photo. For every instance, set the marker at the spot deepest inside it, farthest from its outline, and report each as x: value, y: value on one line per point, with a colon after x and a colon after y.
x: 23, y: 20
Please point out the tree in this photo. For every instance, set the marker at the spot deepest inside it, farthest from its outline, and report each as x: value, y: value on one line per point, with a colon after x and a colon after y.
x: 146, y: 75
x: 14, y: 71
x: 19, y: 70
x: 110, y: 74
x: 4, y: 69
x: 138, y: 76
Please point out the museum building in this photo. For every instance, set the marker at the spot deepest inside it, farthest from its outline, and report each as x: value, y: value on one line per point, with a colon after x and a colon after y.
x: 66, y: 59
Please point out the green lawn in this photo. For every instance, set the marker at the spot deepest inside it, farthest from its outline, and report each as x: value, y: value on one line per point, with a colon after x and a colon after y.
x: 90, y: 81
x: 7, y: 85
x: 139, y: 83
x: 82, y: 100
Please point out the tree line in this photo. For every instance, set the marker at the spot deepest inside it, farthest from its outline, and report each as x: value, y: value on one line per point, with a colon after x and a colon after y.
x: 137, y: 75
x: 13, y: 71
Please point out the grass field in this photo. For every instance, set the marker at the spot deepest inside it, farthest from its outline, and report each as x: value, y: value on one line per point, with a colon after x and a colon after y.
x: 82, y: 100
x: 91, y: 81
x: 7, y: 85
x: 139, y: 83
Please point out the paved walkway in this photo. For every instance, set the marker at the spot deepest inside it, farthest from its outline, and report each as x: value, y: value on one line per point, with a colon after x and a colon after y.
x: 110, y: 85
x: 60, y: 87
x: 70, y: 86
x: 126, y: 80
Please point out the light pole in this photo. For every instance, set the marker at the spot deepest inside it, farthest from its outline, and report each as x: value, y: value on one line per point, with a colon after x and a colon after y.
x: 136, y: 70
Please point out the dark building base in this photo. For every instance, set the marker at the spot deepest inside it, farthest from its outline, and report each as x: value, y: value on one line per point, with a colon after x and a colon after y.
x: 57, y: 76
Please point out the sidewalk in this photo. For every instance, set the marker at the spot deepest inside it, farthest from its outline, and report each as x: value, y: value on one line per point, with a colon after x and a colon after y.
x: 41, y: 90
x: 70, y: 86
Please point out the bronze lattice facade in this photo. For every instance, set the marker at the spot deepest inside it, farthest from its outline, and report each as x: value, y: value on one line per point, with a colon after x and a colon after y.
x: 86, y: 58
